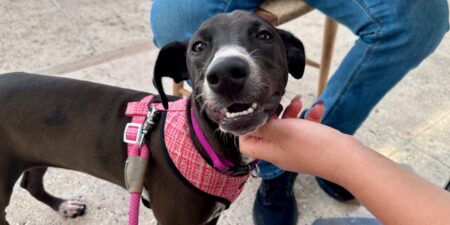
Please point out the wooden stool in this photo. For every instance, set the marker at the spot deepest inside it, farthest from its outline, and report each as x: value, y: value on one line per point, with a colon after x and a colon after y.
x: 282, y: 11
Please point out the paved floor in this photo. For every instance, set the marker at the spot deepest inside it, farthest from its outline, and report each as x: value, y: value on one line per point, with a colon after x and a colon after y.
x: 110, y: 42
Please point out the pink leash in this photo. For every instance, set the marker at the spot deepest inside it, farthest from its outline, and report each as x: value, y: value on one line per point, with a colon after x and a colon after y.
x: 137, y: 152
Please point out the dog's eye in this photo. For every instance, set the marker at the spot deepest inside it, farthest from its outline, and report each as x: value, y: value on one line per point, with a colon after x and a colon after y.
x: 198, y: 47
x: 264, y: 35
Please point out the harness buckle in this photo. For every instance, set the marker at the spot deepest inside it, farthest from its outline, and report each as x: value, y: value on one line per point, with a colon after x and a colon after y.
x: 142, y: 129
x: 138, y: 133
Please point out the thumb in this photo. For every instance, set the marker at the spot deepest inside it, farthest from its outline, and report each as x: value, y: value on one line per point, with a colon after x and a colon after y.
x: 257, y: 147
x: 315, y: 113
x: 293, y: 109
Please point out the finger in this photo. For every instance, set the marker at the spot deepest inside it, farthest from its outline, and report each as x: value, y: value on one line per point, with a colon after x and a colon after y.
x: 294, y: 108
x: 276, y: 131
x: 257, y: 147
x: 315, y: 113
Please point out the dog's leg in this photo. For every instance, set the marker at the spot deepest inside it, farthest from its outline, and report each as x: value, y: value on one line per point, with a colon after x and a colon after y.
x: 10, y: 172
x: 4, y: 201
x: 32, y: 181
x: 5, y: 194
x: 214, y: 221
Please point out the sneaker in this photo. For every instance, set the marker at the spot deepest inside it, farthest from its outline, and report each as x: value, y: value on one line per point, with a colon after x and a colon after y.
x: 275, y: 202
x: 335, y: 191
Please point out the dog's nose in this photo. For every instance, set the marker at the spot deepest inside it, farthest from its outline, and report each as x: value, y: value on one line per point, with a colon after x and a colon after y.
x: 228, y: 75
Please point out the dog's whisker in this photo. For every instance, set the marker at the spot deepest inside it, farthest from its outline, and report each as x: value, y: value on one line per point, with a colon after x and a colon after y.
x: 203, y: 107
x: 252, y: 53
x: 220, y: 133
x: 236, y: 139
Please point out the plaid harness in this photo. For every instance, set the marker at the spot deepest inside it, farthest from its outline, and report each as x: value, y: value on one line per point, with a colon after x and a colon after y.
x: 178, y: 146
x: 179, y: 150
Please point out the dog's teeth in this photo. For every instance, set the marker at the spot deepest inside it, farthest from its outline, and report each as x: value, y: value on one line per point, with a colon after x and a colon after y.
x: 254, y: 105
x: 248, y: 111
x: 224, y: 110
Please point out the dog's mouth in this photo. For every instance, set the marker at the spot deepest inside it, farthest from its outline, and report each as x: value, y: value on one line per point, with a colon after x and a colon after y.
x: 240, y: 118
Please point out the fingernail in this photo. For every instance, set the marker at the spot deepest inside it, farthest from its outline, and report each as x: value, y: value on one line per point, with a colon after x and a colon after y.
x: 297, y: 98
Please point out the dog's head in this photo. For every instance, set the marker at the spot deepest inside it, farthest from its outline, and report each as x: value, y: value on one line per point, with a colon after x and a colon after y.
x: 238, y: 64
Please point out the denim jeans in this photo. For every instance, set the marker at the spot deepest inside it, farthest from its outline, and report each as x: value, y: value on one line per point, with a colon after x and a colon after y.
x: 394, y: 37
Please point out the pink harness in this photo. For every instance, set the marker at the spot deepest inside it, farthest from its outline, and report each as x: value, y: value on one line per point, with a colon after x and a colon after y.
x: 217, y: 182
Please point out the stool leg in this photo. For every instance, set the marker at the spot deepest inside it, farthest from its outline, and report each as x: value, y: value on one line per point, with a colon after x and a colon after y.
x: 329, y: 38
x: 177, y: 87
x: 447, y: 187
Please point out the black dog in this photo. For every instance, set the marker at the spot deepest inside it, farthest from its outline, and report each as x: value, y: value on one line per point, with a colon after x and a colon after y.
x: 238, y: 64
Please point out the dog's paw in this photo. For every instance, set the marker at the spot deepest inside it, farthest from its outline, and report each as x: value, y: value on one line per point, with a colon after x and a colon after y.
x: 72, y: 208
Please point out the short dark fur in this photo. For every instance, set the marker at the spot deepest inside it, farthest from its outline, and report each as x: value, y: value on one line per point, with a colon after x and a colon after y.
x: 48, y: 121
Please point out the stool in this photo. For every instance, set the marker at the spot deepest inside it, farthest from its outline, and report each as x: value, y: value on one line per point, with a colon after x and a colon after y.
x: 281, y: 11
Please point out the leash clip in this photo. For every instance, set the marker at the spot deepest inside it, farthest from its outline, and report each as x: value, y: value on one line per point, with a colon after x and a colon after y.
x: 236, y: 171
x: 148, y: 124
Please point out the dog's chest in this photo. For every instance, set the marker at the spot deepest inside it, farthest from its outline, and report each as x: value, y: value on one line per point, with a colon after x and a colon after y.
x: 218, y: 209
x: 188, y: 164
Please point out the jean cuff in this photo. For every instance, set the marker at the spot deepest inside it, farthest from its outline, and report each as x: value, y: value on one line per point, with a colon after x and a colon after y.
x: 271, y: 175
x: 268, y: 171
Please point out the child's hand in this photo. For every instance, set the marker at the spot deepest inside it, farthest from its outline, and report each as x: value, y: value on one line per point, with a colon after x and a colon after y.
x: 300, y: 145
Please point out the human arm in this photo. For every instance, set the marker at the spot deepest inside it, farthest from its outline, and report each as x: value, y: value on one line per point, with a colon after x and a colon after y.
x: 393, y: 194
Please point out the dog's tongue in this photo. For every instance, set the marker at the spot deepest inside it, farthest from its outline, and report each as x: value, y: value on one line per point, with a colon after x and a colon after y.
x: 277, y: 113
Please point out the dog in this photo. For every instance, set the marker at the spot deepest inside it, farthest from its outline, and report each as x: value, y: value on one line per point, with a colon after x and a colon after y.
x: 238, y: 64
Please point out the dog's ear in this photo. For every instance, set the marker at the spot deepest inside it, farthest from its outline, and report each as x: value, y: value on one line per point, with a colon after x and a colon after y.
x: 171, y: 62
x: 295, y: 53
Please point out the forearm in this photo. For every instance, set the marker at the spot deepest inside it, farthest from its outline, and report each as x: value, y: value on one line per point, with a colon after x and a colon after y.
x: 393, y: 194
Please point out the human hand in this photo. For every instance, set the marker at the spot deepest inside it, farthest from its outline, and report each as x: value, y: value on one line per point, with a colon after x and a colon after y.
x: 386, y: 189
x: 300, y: 145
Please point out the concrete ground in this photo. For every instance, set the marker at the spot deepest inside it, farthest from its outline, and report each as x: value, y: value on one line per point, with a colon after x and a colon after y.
x: 110, y: 42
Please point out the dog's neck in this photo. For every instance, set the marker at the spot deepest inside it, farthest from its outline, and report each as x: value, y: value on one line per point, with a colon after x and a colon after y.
x: 225, y: 145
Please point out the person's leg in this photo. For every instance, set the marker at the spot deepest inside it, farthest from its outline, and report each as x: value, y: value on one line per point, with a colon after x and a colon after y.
x: 394, y: 37
x: 173, y: 20
x: 177, y: 20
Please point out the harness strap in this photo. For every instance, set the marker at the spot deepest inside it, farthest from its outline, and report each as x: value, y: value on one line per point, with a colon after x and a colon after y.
x: 138, y: 154
x: 219, y: 163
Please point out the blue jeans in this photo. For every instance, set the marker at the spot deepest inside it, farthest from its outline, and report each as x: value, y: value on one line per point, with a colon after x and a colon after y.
x: 394, y: 37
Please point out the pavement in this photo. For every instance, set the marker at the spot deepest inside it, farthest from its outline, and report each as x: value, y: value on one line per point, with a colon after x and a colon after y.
x: 110, y: 42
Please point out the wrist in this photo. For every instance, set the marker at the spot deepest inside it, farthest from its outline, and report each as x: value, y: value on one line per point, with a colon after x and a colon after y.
x: 345, y: 155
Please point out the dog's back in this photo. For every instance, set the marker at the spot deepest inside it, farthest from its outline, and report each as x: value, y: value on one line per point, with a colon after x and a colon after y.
x: 35, y: 107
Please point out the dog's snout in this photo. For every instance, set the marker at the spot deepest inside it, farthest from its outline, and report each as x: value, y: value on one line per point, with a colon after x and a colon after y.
x: 228, y: 75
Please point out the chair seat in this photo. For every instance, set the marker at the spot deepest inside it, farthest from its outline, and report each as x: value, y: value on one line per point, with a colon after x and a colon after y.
x: 282, y: 11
